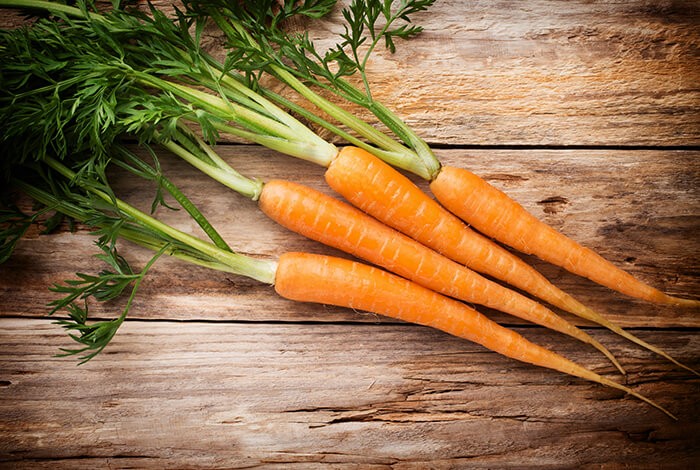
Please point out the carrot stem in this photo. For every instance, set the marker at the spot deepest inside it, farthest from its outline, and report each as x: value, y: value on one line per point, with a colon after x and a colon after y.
x: 261, y: 270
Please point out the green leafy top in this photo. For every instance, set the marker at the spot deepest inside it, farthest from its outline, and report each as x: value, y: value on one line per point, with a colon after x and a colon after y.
x: 367, y: 23
x: 72, y: 85
x: 257, y: 42
x: 91, y: 201
x: 82, y: 82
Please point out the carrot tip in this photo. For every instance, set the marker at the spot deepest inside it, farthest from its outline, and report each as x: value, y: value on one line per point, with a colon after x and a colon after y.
x: 690, y: 369
x: 613, y: 384
x: 687, y: 303
x: 607, y: 354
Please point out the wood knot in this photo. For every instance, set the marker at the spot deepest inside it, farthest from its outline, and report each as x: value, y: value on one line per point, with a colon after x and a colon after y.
x: 553, y: 204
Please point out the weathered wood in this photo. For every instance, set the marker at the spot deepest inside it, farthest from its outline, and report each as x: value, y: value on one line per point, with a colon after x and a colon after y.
x: 639, y: 209
x: 551, y: 73
x: 238, y: 395
x: 214, y: 370
x: 573, y: 73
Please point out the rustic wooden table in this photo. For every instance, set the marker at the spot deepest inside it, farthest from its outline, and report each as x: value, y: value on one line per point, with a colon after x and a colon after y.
x: 587, y: 113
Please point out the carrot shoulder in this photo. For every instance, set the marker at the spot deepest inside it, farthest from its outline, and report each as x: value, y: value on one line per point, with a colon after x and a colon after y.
x: 495, y: 214
x: 334, y: 223
x: 315, y: 278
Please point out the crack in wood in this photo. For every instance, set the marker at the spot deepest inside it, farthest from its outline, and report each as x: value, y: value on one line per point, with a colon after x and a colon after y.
x: 64, y: 458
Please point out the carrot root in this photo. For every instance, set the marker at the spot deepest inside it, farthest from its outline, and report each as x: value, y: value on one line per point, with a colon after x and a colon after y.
x: 306, y: 277
x: 629, y: 336
x: 496, y: 215
x: 608, y: 354
x: 612, y: 384
x: 339, y: 225
x: 382, y: 192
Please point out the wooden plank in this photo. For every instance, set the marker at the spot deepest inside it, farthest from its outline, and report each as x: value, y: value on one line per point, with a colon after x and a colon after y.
x: 639, y: 209
x: 217, y: 371
x: 202, y: 395
x: 551, y: 73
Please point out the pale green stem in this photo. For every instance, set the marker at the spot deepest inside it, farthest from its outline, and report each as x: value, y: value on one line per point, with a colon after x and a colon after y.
x: 321, y: 155
x: 274, y: 134
x: 199, y: 144
x: 261, y: 270
x: 231, y: 179
x: 424, y: 164
x: 394, y: 158
x: 134, y: 236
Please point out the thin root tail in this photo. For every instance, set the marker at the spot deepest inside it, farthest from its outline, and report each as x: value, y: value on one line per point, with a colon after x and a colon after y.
x: 628, y: 390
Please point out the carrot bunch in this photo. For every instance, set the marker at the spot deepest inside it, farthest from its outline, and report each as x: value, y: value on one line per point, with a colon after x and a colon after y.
x: 124, y: 73
x: 302, y: 277
x: 463, y: 199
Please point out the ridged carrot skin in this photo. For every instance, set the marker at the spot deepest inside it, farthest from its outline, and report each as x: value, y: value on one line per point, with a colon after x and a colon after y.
x: 322, y: 279
x: 379, y: 190
x: 383, y: 192
x: 334, y: 223
x: 493, y: 213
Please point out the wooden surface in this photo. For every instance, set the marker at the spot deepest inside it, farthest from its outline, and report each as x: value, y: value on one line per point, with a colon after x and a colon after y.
x: 586, y: 113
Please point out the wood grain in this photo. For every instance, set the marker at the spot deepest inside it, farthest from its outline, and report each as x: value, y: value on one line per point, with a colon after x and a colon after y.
x: 549, y: 73
x: 235, y: 395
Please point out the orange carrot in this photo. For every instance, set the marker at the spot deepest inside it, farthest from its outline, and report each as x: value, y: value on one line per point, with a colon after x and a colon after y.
x: 384, y: 193
x: 495, y: 214
x: 314, y: 278
x: 334, y: 223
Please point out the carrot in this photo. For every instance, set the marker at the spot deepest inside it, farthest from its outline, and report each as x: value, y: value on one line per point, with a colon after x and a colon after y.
x: 384, y: 193
x: 314, y: 278
x: 408, y: 151
x: 495, y: 214
x: 339, y: 225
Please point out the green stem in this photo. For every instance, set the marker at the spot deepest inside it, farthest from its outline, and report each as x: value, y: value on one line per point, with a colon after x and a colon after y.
x: 287, y: 77
x: 300, y: 149
x: 261, y: 270
x: 398, y: 155
x: 231, y: 179
x: 363, y: 65
x: 231, y: 83
x: 261, y: 129
x: 397, y: 158
x: 135, y: 236
x: 52, y: 7
x: 402, y: 130
x: 155, y: 244
x: 175, y: 192
x: 137, y: 283
x: 347, y: 118
x: 196, y: 215
x: 424, y: 165
x: 196, y: 145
